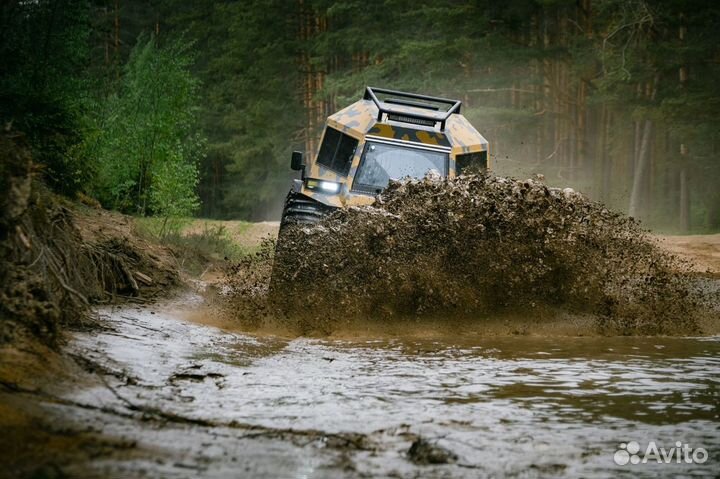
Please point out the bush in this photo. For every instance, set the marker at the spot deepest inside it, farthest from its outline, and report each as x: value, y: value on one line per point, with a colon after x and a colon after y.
x: 43, y: 52
x: 144, y: 139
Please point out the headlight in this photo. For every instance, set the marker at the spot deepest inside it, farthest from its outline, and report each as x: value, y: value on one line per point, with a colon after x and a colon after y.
x: 323, y: 186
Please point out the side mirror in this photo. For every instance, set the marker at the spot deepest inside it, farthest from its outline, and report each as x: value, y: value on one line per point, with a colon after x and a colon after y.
x: 296, y: 161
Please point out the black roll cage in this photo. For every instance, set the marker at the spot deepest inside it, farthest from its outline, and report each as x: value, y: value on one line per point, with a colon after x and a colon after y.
x: 406, y: 99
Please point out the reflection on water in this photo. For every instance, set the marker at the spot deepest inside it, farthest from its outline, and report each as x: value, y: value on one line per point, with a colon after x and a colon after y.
x: 523, y: 406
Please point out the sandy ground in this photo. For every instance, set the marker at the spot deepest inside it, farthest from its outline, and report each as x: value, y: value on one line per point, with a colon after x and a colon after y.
x: 703, y: 251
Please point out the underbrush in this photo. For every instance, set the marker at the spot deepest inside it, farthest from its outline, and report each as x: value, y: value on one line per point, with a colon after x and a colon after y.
x: 198, y: 244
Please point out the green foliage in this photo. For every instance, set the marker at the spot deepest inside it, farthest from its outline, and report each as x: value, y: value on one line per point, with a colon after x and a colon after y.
x: 266, y: 112
x: 144, y: 138
x: 43, y: 52
x: 129, y: 122
x: 252, y: 111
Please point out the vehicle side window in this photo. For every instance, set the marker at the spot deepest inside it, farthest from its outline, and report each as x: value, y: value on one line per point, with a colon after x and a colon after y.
x: 337, y: 151
x: 471, y: 163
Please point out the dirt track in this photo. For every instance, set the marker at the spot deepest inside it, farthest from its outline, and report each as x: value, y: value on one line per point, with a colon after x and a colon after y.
x: 703, y: 251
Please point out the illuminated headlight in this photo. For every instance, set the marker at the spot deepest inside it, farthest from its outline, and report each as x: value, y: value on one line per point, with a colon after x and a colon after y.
x: 323, y: 186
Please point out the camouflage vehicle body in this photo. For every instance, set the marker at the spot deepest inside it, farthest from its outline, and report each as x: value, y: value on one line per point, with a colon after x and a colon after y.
x: 406, y: 122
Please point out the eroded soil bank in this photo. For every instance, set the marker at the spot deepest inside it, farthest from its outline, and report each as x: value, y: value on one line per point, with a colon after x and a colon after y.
x: 59, y: 258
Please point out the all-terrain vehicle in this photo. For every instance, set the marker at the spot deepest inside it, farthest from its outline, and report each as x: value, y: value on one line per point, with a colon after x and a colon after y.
x: 388, y: 135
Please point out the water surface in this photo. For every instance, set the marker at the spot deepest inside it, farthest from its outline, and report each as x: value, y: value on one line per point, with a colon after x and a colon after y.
x: 520, y: 406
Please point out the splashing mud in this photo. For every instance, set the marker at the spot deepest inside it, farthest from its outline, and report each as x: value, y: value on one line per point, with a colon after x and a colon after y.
x: 474, y: 247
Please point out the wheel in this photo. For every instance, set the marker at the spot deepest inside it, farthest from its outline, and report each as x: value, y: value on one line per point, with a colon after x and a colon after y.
x: 301, y: 209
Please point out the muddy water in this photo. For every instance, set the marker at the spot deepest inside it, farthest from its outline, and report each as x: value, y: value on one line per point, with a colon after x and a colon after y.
x: 306, y: 408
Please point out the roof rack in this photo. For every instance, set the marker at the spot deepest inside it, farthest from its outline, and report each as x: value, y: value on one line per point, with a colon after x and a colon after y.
x: 434, y: 115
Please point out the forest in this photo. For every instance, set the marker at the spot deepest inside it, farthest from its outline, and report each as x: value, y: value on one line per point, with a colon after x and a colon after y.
x: 170, y: 108
x: 199, y: 279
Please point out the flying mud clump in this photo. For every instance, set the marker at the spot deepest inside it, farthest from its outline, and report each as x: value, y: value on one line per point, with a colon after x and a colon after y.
x: 471, y: 247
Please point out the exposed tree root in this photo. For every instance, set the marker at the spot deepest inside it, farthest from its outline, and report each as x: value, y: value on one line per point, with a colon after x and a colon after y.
x: 49, y: 273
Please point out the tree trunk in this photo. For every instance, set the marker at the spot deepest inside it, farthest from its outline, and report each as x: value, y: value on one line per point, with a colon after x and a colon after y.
x: 605, y: 153
x: 311, y: 24
x: 117, y: 32
x: 684, y: 192
x: 642, y: 166
x: 684, y: 202
x: 107, y: 39
x: 641, y: 169
x: 636, y: 143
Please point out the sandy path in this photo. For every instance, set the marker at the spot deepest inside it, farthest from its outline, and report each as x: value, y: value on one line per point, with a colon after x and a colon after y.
x: 702, y: 250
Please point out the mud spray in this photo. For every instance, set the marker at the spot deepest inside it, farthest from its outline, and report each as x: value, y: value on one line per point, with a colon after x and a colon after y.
x: 471, y: 248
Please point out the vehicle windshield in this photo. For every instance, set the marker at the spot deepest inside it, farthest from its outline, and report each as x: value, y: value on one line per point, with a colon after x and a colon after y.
x: 383, y: 162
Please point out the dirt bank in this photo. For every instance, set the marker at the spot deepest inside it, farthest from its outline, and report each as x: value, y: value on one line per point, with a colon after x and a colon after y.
x: 60, y: 258
x: 59, y: 261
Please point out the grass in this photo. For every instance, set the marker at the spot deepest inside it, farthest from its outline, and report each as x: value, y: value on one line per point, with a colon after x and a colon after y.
x: 198, y: 241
